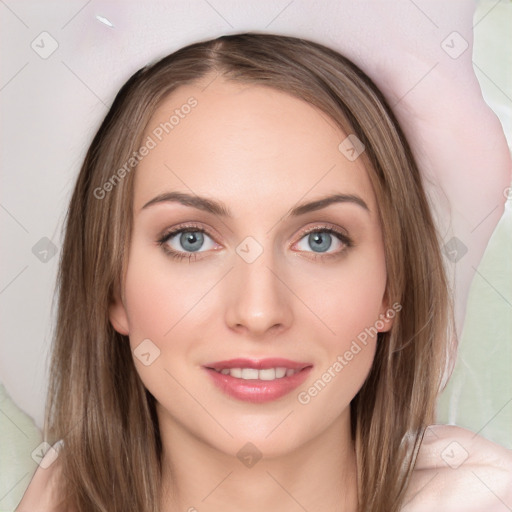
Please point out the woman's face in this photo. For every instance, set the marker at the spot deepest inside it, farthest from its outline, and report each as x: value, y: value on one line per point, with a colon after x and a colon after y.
x: 257, y: 284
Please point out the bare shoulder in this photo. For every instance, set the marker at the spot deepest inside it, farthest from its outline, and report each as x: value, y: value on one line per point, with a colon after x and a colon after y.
x: 458, y: 470
x: 44, y: 493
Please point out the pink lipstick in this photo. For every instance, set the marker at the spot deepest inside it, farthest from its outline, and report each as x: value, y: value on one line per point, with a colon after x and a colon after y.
x: 258, y: 381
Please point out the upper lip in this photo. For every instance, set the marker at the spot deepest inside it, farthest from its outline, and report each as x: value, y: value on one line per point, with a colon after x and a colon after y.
x: 259, y: 364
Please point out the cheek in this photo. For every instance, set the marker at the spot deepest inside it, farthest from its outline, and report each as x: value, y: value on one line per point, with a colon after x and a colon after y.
x: 157, y: 302
x: 347, y: 297
x: 149, y: 305
x: 350, y: 306
x: 159, y: 292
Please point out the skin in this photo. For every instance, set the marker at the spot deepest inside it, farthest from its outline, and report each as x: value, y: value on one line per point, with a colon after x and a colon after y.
x: 260, y: 152
x: 247, y: 146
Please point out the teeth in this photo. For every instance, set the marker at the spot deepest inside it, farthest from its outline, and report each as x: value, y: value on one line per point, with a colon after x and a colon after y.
x: 249, y: 373
x: 253, y: 373
x: 281, y: 372
x: 267, y: 374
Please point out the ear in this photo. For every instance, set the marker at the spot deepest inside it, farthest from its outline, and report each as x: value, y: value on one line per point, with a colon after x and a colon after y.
x: 387, y: 314
x: 118, y: 316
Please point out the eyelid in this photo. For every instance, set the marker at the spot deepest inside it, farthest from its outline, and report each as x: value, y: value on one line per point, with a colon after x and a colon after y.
x: 188, y: 226
x: 326, y: 226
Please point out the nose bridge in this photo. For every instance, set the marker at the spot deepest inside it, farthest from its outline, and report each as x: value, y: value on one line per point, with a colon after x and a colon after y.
x: 258, y: 300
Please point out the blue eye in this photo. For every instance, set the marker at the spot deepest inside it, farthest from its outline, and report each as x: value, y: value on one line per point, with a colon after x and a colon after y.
x: 192, y: 238
x: 321, y: 239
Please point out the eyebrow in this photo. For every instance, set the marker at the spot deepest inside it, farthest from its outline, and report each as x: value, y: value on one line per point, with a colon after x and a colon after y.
x: 220, y: 209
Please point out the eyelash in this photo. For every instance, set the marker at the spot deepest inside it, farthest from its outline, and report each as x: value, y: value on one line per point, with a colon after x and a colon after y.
x: 194, y: 228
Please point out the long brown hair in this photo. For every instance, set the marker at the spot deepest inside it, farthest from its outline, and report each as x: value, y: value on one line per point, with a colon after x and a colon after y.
x: 96, y: 401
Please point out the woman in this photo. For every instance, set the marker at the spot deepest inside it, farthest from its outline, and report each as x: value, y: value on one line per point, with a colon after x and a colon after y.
x: 253, y: 310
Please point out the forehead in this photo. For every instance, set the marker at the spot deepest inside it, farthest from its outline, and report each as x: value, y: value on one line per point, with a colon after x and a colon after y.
x: 245, y: 145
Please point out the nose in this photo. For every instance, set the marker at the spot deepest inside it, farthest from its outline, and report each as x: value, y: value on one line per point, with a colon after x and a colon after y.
x: 258, y: 300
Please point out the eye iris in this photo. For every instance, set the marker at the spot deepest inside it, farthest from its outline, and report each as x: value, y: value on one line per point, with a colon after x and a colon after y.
x: 191, y: 237
x: 321, y: 241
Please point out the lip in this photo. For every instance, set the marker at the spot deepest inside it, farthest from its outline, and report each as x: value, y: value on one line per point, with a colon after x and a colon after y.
x: 261, y: 364
x: 255, y: 390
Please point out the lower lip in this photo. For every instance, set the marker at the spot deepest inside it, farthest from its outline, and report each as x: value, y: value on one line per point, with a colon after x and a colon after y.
x: 255, y: 390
